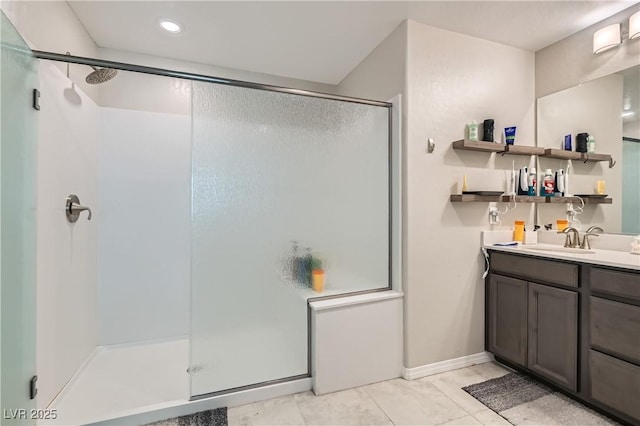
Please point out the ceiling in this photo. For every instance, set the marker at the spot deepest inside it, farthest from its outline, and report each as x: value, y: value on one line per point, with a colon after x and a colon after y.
x: 320, y: 41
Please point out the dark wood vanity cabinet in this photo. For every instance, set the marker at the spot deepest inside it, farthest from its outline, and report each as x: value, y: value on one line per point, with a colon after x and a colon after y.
x: 531, y: 324
x: 574, y: 325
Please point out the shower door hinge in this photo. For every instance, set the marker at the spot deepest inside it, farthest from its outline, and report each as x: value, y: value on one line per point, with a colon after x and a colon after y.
x: 33, y: 390
x: 36, y: 99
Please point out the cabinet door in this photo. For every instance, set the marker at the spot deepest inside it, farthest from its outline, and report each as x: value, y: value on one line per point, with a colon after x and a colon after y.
x: 553, y: 334
x: 508, y: 318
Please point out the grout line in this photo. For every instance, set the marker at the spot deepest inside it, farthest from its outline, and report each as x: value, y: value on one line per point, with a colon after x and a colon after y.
x: 378, y: 405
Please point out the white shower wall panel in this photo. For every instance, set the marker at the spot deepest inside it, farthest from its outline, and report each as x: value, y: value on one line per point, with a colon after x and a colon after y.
x: 66, y: 253
x: 144, y: 232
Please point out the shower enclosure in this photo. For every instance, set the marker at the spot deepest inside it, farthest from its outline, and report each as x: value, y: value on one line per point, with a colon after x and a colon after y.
x: 220, y: 208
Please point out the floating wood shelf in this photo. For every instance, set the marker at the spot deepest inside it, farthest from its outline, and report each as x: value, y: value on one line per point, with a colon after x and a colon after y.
x: 571, y: 155
x: 523, y: 150
x: 471, y: 198
x: 466, y: 144
x: 561, y: 154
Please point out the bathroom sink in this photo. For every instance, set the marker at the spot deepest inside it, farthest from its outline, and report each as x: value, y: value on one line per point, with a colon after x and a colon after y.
x: 562, y: 250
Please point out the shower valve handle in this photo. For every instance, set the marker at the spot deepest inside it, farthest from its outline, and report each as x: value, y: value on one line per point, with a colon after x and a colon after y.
x: 74, y: 208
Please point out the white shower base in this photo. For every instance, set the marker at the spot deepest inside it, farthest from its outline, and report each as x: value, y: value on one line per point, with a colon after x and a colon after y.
x: 121, y: 379
x: 142, y: 383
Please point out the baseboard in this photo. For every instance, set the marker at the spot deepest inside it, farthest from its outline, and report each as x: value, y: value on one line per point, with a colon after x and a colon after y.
x: 448, y: 365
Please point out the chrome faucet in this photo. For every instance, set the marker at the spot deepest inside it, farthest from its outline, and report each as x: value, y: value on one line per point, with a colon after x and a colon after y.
x: 594, y: 228
x: 568, y: 242
x: 585, y: 239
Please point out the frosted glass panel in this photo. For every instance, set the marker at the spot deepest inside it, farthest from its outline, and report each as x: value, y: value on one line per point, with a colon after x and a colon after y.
x: 269, y: 169
x: 18, y: 78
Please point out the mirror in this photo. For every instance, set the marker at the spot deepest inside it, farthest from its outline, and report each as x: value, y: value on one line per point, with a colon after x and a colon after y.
x: 607, y: 108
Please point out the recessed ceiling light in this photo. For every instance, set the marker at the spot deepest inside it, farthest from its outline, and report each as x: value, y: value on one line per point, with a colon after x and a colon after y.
x: 170, y: 26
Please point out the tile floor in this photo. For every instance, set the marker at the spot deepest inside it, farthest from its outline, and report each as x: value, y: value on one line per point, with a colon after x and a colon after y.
x: 433, y: 400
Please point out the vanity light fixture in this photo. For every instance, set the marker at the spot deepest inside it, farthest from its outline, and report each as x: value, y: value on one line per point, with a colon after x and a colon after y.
x: 634, y: 26
x: 606, y: 38
x: 170, y: 26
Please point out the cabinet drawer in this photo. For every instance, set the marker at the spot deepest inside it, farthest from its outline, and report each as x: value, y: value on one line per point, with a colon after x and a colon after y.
x: 615, y: 383
x: 615, y: 327
x: 536, y: 269
x: 624, y: 284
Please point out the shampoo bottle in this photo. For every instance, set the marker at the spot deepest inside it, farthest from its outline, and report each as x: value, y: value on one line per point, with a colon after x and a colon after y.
x: 473, y: 131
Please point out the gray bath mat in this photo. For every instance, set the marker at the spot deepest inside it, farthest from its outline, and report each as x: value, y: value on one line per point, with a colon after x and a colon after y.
x: 522, y: 400
x: 217, y: 417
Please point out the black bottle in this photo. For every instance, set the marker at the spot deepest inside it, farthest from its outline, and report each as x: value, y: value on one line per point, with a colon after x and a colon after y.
x: 581, y: 142
x: 487, y: 130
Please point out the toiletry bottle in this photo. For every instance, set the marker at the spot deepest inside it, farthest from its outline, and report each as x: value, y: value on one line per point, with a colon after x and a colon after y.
x: 567, y: 143
x: 518, y: 231
x: 473, y: 131
x: 532, y: 182
x: 581, y: 142
x: 591, y: 144
x: 510, y: 135
x: 308, y: 264
x: 558, y: 183
x: 547, y: 184
x: 301, y: 269
x: 487, y: 130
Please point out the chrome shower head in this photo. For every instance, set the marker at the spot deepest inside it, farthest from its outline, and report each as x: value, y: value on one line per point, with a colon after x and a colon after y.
x: 100, y: 75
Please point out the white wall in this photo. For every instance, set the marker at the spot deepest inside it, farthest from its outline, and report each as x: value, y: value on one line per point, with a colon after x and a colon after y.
x: 52, y: 26
x: 594, y: 107
x: 382, y: 74
x: 571, y: 61
x: 67, y: 253
x: 144, y: 235
x: 447, y: 82
x: 451, y: 80
x: 211, y: 70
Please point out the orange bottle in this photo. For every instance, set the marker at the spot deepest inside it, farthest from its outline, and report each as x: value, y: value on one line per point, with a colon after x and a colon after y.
x: 518, y: 231
x: 317, y: 280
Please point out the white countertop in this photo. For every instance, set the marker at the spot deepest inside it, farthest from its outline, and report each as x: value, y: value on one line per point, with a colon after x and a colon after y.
x: 618, y: 259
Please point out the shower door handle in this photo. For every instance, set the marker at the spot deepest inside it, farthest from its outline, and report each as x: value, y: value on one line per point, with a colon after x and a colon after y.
x: 73, y: 209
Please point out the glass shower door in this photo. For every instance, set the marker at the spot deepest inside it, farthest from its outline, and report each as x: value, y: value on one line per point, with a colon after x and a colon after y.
x: 278, y: 178
x: 18, y: 126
